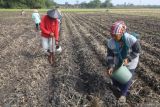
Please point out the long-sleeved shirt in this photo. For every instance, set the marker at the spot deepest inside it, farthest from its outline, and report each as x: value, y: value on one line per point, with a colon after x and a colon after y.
x: 36, y: 18
x: 49, y: 25
x: 133, y: 52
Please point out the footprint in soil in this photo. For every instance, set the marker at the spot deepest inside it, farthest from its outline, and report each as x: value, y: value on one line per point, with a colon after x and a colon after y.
x: 93, y: 101
x: 30, y: 55
x: 91, y: 83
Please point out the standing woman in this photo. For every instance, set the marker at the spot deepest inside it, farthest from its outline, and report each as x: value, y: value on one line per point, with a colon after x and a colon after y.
x: 122, y: 48
x: 59, y: 16
x: 37, y: 19
x: 50, y: 33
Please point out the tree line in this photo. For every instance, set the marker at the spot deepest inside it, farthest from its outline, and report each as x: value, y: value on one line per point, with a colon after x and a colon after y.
x: 26, y: 3
x: 96, y: 4
x: 50, y: 3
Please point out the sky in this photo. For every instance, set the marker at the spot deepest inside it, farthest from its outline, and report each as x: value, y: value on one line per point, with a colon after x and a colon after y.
x: 115, y: 2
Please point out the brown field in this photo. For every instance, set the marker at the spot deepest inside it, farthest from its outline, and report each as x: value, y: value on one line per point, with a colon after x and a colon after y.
x: 27, y: 79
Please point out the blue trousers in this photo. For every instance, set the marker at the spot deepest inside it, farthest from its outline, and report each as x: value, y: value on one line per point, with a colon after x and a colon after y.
x: 123, y: 87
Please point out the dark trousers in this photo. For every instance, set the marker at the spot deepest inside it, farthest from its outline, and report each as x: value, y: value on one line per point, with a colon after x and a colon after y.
x: 124, y: 87
x: 37, y: 26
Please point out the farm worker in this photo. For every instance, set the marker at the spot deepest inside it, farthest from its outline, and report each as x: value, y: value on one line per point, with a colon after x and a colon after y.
x: 22, y: 12
x: 122, y: 48
x: 59, y: 16
x: 49, y: 31
x: 36, y: 18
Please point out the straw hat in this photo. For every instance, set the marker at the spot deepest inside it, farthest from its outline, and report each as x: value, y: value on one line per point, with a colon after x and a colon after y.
x: 52, y: 13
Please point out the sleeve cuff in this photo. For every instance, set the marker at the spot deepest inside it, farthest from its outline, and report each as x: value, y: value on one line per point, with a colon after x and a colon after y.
x: 111, y: 66
x: 129, y: 58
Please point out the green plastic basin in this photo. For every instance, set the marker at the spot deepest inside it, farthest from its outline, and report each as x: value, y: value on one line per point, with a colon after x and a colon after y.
x: 122, y: 75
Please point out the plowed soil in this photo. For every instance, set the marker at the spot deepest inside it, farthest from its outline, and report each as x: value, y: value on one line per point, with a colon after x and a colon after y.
x: 77, y: 79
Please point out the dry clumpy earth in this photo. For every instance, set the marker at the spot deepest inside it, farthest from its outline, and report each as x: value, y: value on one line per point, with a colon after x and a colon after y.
x: 77, y: 78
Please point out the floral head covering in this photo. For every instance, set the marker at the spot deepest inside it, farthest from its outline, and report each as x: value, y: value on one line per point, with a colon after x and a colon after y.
x: 118, y: 27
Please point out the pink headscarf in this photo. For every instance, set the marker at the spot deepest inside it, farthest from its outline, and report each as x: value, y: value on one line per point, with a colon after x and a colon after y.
x: 118, y: 27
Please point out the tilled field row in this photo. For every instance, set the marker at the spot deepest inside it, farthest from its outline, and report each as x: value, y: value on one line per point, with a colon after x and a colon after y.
x: 104, y: 27
x: 89, y: 65
x: 90, y: 38
x: 64, y: 78
x: 77, y: 77
x: 149, y: 57
x: 143, y: 25
x: 11, y: 32
x: 23, y: 79
x: 146, y: 58
x: 98, y: 27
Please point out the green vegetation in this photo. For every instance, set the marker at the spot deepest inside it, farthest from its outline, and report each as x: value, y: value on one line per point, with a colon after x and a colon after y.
x: 18, y: 4
x: 26, y: 3
x: 83, y: 10
x: 96, y: 4
x: 140, y: 11
x: 16, y: 10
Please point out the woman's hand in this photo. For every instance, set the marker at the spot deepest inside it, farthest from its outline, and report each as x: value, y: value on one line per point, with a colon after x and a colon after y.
x: 108, y: 72
x: 125, y: 62
x: 57, y: 42
x: 51, y: 34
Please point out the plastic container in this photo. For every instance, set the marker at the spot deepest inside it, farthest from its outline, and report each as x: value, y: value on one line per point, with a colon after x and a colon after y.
x: 122, y: 74
x: 59, y: 50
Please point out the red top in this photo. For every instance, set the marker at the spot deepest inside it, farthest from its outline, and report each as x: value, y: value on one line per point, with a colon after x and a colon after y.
x: 48, y: 26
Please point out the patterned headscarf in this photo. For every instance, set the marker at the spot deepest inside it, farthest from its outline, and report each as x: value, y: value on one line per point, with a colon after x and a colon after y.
x: 118, y: 27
